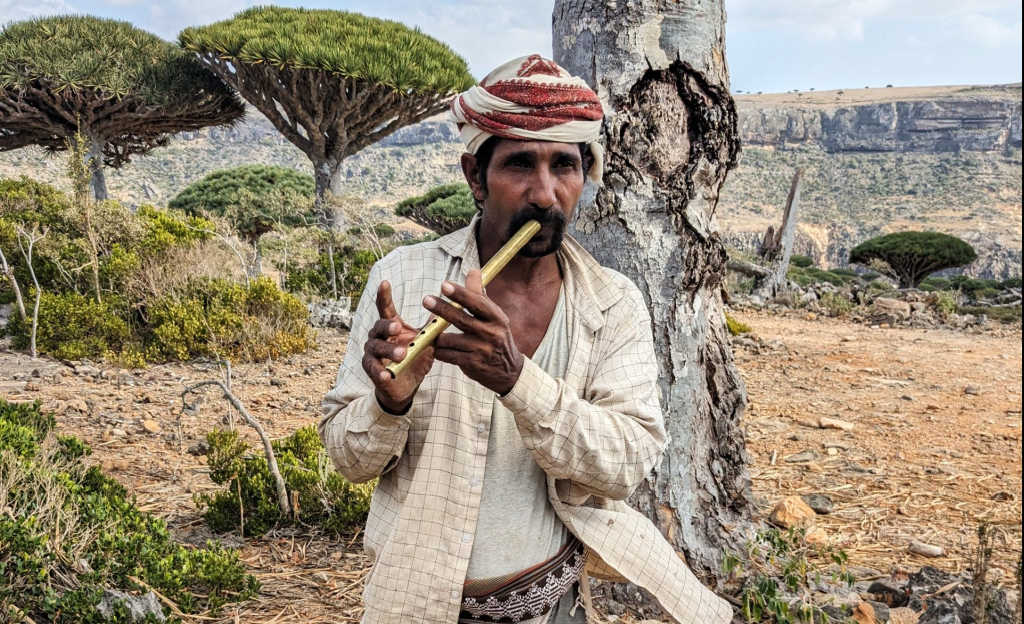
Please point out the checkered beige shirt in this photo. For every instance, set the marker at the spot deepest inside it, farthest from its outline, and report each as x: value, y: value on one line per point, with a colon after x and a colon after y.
x: 597, y: 433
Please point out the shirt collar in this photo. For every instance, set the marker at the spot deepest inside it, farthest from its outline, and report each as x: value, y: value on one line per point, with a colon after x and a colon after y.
x: 589, y: 285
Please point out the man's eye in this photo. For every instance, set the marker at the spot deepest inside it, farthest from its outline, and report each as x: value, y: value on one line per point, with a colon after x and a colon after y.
x: 567, y: 163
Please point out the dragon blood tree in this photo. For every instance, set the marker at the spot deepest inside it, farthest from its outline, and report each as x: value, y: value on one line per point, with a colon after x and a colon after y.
x: 125, y: 90
x: 331, y: 82
x: 909, y: 257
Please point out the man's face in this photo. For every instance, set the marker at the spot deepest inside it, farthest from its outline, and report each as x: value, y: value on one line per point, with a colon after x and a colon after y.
x: 527, y: 180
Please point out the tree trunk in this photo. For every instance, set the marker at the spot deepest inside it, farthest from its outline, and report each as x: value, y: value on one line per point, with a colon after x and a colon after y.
x: 778, y: 250
x: 9, y: 274
x: 97, y: 183
x: 670, y: 133
x: 326, y: 178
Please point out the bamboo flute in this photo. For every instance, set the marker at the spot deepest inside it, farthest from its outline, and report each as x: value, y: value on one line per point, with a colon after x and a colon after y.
x: 436, y: 325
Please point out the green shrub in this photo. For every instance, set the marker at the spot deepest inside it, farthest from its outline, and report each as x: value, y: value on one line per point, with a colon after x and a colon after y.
x: 835, y: 304
x: 68, y: 532
x: 801, y: 261
x: 353, y: 266
x: 1013, y: 282
x: 932, y: 284
x: 781, y: 565
x: 944, y: 302
x: 736, y: 327
x: 324, y: 497
x: 73, y: 327
x: 214, y: 317
x: 1007, y: 314
x: 986, y: 293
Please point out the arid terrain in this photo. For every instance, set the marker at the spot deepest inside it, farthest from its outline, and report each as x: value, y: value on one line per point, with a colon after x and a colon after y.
x: 935, y: 446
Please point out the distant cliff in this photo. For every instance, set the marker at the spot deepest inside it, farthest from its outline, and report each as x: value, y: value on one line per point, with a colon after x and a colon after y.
x: 968, y: 119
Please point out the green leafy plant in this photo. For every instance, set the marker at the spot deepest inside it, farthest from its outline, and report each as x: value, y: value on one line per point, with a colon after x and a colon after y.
x: 776, y: 575
x: 909, y: 257
x: 736, y: 327
x: 320, y: 496
x: 836, y: 304
x: 801, y: 261
x: 68, y: 533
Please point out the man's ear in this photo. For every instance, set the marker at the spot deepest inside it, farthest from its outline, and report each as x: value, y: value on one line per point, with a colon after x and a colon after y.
x: 471, y: 171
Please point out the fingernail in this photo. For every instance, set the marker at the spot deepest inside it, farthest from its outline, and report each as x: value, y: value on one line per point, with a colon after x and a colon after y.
x: 430, y: 301
x: 384, y: 375
x: 393, y: 328
x: 447, y: 288
x: 398, y: 353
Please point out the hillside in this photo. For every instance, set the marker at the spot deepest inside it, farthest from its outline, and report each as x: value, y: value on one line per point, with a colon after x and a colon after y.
x: 875, y: 161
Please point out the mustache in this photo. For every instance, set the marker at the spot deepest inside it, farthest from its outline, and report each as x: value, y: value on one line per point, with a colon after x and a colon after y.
x: 543, y: 216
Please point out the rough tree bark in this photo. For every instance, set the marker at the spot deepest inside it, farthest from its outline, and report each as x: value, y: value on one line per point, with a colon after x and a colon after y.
x: 671, y: 136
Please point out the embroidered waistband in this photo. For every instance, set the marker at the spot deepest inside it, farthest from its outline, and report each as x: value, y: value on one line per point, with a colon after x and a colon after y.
x: 526, y: 594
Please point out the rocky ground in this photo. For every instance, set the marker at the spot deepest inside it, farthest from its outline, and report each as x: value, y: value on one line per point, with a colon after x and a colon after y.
x: 910, y: 434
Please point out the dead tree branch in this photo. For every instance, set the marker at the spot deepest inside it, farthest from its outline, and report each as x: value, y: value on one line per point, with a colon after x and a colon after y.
x: 268, y: 449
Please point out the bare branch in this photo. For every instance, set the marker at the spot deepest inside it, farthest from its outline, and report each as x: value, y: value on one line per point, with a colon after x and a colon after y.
x: 268, y: 449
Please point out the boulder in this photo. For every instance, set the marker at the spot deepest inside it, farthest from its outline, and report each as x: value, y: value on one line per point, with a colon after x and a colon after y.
x: 332, y: 313
x: 888, y: 305
x: 791, y: 512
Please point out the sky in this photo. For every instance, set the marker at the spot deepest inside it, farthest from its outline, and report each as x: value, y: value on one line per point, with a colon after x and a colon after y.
x: 771, y: 45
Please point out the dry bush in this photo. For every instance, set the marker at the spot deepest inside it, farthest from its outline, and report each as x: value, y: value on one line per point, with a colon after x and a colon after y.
x: 180, y: 265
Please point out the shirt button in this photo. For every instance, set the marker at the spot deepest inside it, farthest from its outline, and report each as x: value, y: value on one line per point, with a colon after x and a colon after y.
x: 456, y: 594
x: 467, y: 538
x: 481, y: 428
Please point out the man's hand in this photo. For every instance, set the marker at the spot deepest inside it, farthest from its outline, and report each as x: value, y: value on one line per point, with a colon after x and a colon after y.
x: 485, y: 351
x: 387, y: 343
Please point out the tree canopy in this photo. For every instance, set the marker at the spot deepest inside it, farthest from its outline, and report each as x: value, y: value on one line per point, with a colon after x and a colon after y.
x: 252, y: 197
x: 125, y: 89
x: 909, y: 257
x: 443, y: 209
x: 332, y: 82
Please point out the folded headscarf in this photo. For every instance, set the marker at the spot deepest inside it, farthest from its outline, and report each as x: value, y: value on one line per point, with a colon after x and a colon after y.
x: 531, y: 98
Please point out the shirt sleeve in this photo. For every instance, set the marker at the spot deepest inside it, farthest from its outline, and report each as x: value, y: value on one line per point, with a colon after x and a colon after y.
x: 608, y: 441
x: 362, y: 439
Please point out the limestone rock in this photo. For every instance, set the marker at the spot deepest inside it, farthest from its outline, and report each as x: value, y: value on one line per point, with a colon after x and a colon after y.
x: 139, y: 607
x: 151, y: 426
x: 791, y: 512
x: 888, y: 305
x: 333, y: 313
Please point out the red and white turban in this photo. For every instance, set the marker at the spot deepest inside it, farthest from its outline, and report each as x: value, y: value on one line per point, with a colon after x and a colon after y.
x: 531, y: 98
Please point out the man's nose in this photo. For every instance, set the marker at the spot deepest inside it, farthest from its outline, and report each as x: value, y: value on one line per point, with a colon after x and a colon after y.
x: 542, y: 189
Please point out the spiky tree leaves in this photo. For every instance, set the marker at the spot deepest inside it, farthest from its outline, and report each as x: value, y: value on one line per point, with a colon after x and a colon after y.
x: 331, y: 82
x: 443, y: 209
x: 909, y: 257
x: 126, y: 90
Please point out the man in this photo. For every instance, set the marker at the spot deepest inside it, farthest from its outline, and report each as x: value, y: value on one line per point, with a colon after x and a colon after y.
x: 506, y: 451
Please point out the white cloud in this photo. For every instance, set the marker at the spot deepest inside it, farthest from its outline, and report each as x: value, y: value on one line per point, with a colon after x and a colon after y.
x: 990, y: 32
x: 16, y: 10
x: 984, y: 21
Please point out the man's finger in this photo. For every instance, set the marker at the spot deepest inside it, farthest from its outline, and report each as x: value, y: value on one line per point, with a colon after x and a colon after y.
x: 452, y: 356
x: 385, y: 306
x: 385, y: 328
x: 475, y: 302
x: 375, y: 369
x: 459, y: 342
x: 454, y: 315
x: 384, y: 350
